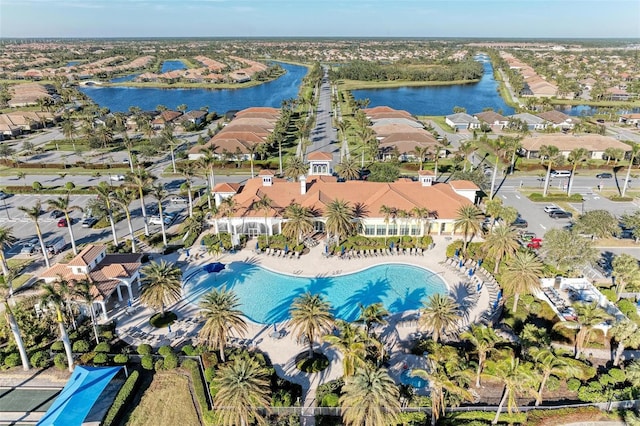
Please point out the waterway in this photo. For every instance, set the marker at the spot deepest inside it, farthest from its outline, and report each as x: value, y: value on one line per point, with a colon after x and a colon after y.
x: 440, y: 100
x: 269, y: 94
x: 172, y: 66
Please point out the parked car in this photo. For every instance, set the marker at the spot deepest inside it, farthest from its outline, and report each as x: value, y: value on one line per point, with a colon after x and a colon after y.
x: 560, y: 214
x: 31, y: 247
x: 117, y: 178
x: 560, y: 173
x: 550, y: 208
x: 56, y: 245
x: 56, y: 214
x: 527, y: 236
x: 178, y: 200
x: 520, y: 223
x: 535, y: 243
x: 4, y: 195
x: 604, y: 175
x: 88, y: 222
x: 62, y: 223
x: 569, y: 314
x: 168, y: 218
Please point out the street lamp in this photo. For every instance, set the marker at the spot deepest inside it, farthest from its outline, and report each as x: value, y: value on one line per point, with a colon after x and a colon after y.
x: 582, y: 210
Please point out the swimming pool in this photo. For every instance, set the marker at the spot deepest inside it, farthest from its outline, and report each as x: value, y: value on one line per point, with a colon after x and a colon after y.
x: 417, y: 382
x: 266, y: 296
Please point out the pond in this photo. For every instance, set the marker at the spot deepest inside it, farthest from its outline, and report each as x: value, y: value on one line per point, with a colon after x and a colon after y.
x: 172, y: 66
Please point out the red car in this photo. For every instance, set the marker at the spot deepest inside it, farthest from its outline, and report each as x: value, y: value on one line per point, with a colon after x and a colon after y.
x: 535, y: 243
x: 62, y: 223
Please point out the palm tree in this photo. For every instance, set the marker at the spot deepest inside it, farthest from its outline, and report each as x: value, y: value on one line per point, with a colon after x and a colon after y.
x: 370, y: 397
x: 82, y: 291
x: 499, y: 146
x: 589, y: 315
x: 348, y: 169
x: 522, y: 275
x: 295, y: 168
x: 469, y: 219
x: 62, y: 204
x: 310, y: 318
x: 550, y: 154
x: 104, y: 135
x: 549, y: 362
x: 351, y: 342
x: 52, y: 297
x: 484, y: 340
x: 207, y: 162
x: 299, y: 222
x: 6, y: 288
x: 515, y: 378
x: 170, y: 140
x: 635, y: 150
x: 422, y: 214
x: 187, y: 171
x: 228, y: 207
x: 374, y: 313
x: 243, y: 392
x: 626, y: 271
x: 340, y: 219
x: 441, y: 384
x: 626, y: 333
x: 141, y: 180
x: 34, y: 213
x: 68, y: 129
x: 420, y: 152
x: 576, y: 156
x: 465, y: 148
x: 501, y: 242
x: 160, y: 285
x: 440, y: 315
x: 493, y: 208
x: 103, y: 191
x: 160, y: 194
x: 389, y: 214
x: 7, y: 240
x: 266, y: 205
x: 128, y: 144
x: 222, y: 318
x: 122, y: 197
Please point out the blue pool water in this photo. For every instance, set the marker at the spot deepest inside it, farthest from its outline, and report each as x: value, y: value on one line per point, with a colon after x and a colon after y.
x: 172, y: 66
x: 417, y: 382
x: 266, y: 296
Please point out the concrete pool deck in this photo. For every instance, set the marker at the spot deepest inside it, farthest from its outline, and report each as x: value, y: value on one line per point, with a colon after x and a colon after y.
x: 133, y: 325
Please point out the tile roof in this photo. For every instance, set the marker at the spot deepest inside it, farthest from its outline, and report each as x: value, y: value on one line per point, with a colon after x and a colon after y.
x: 320, y: 155
x: 557, y: 117
x: 87, y: 255
x: 491, y: 117
x: 565, y: 143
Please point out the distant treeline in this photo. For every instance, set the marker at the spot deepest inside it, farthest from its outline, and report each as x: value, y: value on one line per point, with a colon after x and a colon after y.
x: 374, y: 71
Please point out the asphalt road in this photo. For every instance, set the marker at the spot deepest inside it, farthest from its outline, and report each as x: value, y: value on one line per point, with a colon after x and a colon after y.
x: 323, y: 136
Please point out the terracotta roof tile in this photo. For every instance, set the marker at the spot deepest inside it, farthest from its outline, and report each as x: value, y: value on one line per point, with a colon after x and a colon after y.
x: 87, y: 255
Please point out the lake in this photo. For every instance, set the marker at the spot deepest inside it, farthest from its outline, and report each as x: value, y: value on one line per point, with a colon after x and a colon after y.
x: 172, y: 66
x: 440, y: 100
x: 269, y: 94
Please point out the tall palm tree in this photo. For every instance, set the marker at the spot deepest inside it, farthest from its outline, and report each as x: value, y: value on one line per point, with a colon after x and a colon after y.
x: 549, y: 362
x: 469, y: 220
x: 6, y: 290
x: 465, y: 148
x: 243, y: 392
x: 522, y: 274
x: 128, y: 144
x: 440, y: 315
x: 102, y: 191
x: 82, y: 292
x: 626, y: 271
x: 515, y: 377
x: 484, y: 340
x: 34, y: 213
x: 228, y: 207
x: 104, y: 135
x: 222, y: 318
x: 340, y: 219
x: 299, y: 222
x: 170, y: 140
x: 575, y: 157
x: 52, y: 297
x: 187, y: 171
x: 207, y: 162
x: 295, y: 168
x: 370, y: 397
x: 374, y: 313
x: 389, y: 213
x: 422, y: 214
x: 499, y: 147
x: 141, y: 180
x: 122, y: 197
x: 311, y: 318
x: 635, y: 150
x: 348, y: 169
x: 63, y: 204
x: 501, y: 242
x: 493, y: 208
x: 626, y: 333
x: 160, y: 194
x: 7, y: 240
x: 589, y: 315
x: 68, y: 129
x: 160, y: 285
x: 420, y: 152
x: 550, y: 154
x: 265, y: 204
x: 351, y: 342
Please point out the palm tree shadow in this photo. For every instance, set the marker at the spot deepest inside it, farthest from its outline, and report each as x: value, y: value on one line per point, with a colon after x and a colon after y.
x: 371, y: 292
x: 409, y: 300
x: 280, y: 311
x: 463, y: 295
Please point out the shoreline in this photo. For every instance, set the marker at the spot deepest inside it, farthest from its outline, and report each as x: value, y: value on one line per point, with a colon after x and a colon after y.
x: 361, y: 85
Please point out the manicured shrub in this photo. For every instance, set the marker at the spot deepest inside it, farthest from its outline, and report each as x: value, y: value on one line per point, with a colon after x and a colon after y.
x: 209, y: 374
x: 145, y: 349
x: 107, y: 335
x: 281, y: 398
x: 60, y: 361
x: 87, y: 358
x: 147, y: 362
x: 188, y: 350
x: 40, y: 359
x: 617, y: 375
x: 101, y: 358
x: 198, y: 384
x: 609, y: 294
x: 12, y: 360
x: 553, y: 384
x: 573, y: 384
x: 103, y: 347
x: 165, y: 350
x: 80, y: 346
x: 123, y: 396
x: 171, y: 361
x: 159, y: 365
x: 330, y: 400
x: 121, y: 358
x: 57, y: 346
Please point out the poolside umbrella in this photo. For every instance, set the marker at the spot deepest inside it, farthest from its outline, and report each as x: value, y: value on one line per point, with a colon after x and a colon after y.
x: 470, y: 272
x: 460, y: 263
x: 188, y: 254
x: 286, y: 248
x: 275, y: 328
x: 342, y: 249
x: 391, y: 245
x: 499, y: 294
x: 129, y: 302
x: 457, y: 253
x: 169, y: 325
x: 214, y: 267
x: 479, y: 263
x: 257, y: 246
x: 479, y: 287
x: 326, y: 249
x: 495, y: 304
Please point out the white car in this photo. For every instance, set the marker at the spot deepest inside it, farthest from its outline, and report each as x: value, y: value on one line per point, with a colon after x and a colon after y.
x: 178, y: 200
x: 551, y: 208
x: 168, y: 218
x: 117, y: 178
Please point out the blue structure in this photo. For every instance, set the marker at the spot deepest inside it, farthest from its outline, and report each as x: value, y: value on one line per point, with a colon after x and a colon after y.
x: 79, y: 395
x: 213, y: 267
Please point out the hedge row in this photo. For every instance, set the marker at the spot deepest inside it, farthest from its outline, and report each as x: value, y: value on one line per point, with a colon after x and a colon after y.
x: 574, y: 198
x: 198, y: 386
x: 79, y: 164
x: 122, y: 398
x: 25, y: 189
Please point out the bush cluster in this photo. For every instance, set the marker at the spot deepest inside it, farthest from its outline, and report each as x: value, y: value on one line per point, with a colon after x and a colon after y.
x: 123, y: 396
x: 40, y: 359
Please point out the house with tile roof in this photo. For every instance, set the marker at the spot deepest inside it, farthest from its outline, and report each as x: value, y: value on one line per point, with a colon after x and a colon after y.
x: 533, y: 122
x: 596, y: 145
x: 559, y: 119
x: 462, y: 121
x: 108, y: 274
x: 316, y: 192
x: 493, y: 119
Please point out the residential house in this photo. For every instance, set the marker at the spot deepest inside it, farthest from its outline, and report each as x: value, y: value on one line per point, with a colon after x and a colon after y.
x: 196, y: 117
x: 108, y: 275
x: 462, y: 121
x: 596, y: 145
x: 493, y: 119
x: 533, y: 122
x: 164, y: 118
x: 559, y: 119
x: 633, y: 119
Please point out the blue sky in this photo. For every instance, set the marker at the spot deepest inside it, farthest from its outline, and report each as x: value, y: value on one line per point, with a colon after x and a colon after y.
x: 372, y: 18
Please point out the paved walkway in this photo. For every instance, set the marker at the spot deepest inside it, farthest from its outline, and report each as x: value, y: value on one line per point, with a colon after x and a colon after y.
x: 133, y: 326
